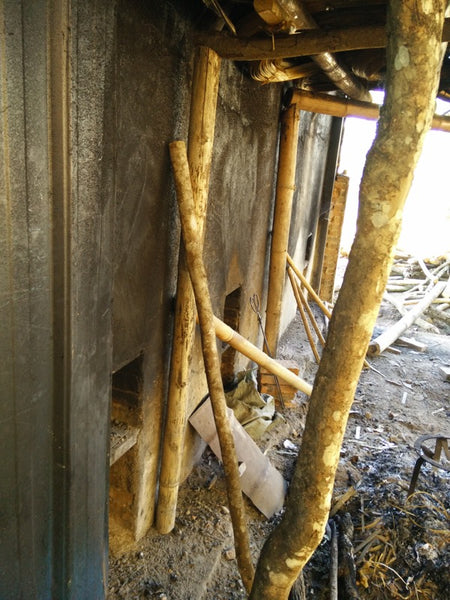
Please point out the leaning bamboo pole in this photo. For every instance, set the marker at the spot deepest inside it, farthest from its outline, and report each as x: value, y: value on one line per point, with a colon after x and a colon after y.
x: 201, y: 134
x: 193, y: 243
x: 282, y: 219
x: 326, y: 311
x: 228, y: 335
x: 341, y: 107
x: 310, y: 314
x: 303, y: 315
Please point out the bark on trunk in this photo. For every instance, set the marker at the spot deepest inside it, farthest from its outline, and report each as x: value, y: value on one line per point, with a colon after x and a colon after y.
x: 414, y: 53
x: 305, y: 43
x: 193, y: 244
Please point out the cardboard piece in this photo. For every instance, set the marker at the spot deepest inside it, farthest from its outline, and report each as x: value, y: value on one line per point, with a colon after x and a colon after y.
x: 260, y: 481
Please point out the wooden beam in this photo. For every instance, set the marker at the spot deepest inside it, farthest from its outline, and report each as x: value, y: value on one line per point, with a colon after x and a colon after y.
x: 306, y: 43
x: 341, y: 107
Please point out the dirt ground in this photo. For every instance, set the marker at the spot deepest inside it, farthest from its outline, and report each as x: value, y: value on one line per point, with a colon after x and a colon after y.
x: 401, y: 547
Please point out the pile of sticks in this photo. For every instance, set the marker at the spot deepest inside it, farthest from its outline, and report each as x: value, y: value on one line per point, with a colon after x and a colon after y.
x: 416, y: 286
x: 412, y: 278
x: 378, y: 550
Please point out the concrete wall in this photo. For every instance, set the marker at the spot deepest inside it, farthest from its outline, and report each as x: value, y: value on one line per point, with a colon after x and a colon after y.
x: 154, y: 63
x: 92, y: 94
x: 55, y: 290
x: 311, y: 162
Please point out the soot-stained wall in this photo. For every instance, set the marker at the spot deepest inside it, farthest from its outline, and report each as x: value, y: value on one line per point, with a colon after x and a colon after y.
x: 90, y: 228
x: 153, y: 71
x: 154, y: 65
x: 152, y: 74
x: 153, y: 78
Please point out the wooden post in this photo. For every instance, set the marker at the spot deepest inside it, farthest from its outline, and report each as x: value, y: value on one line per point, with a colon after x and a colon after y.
x: 333, y: 239
x: 201, y: 136
x: 282, y: 220
x: 193, y: 244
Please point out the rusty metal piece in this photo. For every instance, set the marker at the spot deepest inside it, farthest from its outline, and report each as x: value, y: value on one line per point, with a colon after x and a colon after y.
x: 256, y: 308
x: 430, y: 456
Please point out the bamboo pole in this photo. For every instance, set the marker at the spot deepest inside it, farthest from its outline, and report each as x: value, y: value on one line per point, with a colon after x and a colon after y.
x: 201, y: 135
x: 308, y: 286
x: 193, y: 244
x: 303, y: 315
x: 310, y: 315
x: 313, y: 294
x: 282, y: 220
x: 239, y: 343
x: 389, y: 336
x: 341, y: 107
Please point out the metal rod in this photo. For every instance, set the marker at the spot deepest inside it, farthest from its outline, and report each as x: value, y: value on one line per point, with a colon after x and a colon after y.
x: 256, y: 307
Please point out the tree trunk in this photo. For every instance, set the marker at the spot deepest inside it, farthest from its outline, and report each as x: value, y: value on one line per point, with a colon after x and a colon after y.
x: 414, y: 54
x: 193, y: 244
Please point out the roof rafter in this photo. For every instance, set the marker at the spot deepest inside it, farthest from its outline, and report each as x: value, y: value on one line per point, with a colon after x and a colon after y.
x: 306, y: 43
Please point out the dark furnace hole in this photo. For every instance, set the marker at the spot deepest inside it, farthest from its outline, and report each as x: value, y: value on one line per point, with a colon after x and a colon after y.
x: 125, y: 423
x: 231, y: 317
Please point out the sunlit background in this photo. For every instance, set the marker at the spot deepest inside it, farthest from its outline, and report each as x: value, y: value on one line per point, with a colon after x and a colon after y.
x: 426, y: 220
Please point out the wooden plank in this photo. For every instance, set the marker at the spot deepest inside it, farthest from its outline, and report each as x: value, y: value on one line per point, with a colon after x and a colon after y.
x: 123, y: 438
x: 389, y: 336
x: 408, y: 342
x: 333, y: 240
